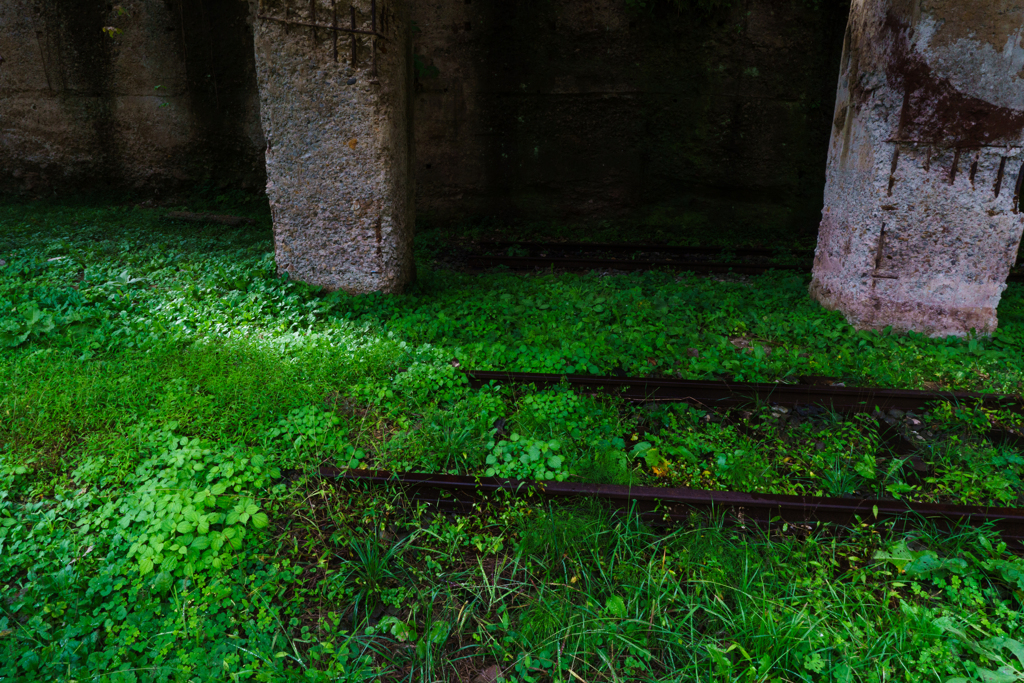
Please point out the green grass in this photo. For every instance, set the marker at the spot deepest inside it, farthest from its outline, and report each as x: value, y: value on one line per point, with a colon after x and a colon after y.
x: 156, y: 378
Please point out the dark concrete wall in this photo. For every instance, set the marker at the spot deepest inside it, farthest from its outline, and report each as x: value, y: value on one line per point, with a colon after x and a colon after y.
x: 524, y: 109
x: 166, y: 104
x: 577, y: 108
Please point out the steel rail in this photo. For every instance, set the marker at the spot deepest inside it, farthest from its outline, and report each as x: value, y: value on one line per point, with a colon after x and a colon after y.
x: 223, y: 219
x: 661, y: 504
x: 531, y: 262
x: 583, y: 263
x: 655, y: 248
x: 730, y: 394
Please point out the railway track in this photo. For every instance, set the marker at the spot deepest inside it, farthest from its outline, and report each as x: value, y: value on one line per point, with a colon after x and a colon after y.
x: 585, y: 264
x: 658, y: 505
x: 625, y: 247
x: 584, y: 256
x: 581, y: 256
x: 727, y: 394
x: 460, y: 493
x: 717, y: 395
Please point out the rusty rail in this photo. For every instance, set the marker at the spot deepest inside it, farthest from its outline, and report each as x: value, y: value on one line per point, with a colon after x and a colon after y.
x: 729, y: 394
x: 531, y: 262
x: 658, y: 505
x: 460, y: 493
x: 585, y: 263
x: 223, y: 219
x: 580, y: 256
x: 630, y: 247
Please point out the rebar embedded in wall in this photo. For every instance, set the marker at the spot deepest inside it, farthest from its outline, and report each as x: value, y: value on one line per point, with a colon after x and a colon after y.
x: 352, y: 12
x: 374, y: 33
x: 209, y: 48
x: 373, y: 41
x: 330, y: 27
x: 184, y: 45
x: 42, y: 56
x: 312, y: 19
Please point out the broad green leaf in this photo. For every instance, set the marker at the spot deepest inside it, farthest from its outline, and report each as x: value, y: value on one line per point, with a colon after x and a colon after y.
x: 615, y: 606
x: 1004, y: 675
x: 163, y: 581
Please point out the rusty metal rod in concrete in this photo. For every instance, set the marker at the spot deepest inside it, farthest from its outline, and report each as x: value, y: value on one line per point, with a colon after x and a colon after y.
x: 295, y: 22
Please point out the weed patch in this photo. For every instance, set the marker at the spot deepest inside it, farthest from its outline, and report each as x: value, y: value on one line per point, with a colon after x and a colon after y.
x: 157, y: 377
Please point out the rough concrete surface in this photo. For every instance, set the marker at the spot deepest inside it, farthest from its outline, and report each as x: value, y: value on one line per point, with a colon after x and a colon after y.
x: 921, y: 221
x: 338, y: 144
x: 568, y: 109
x: 690, y: 120
x: 166, y: 100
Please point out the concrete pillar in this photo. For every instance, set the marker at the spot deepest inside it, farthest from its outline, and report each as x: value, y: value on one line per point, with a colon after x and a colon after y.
x: 921, y: 222
x: 336, y: 116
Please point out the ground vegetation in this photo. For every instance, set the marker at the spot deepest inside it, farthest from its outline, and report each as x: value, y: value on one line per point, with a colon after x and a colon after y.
x: 166, y: 398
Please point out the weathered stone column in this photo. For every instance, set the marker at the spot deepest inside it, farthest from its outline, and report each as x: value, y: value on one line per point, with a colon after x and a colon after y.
x: 921, y: 222
x: 336, y: 116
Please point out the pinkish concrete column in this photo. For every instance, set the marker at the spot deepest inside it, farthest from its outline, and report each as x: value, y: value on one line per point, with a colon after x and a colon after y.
x: 336, y: 116
x: 921, y: 222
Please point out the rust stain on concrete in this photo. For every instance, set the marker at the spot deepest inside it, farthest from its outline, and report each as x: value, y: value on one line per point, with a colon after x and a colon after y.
x: 934, y: 110
x: 917, y: 234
